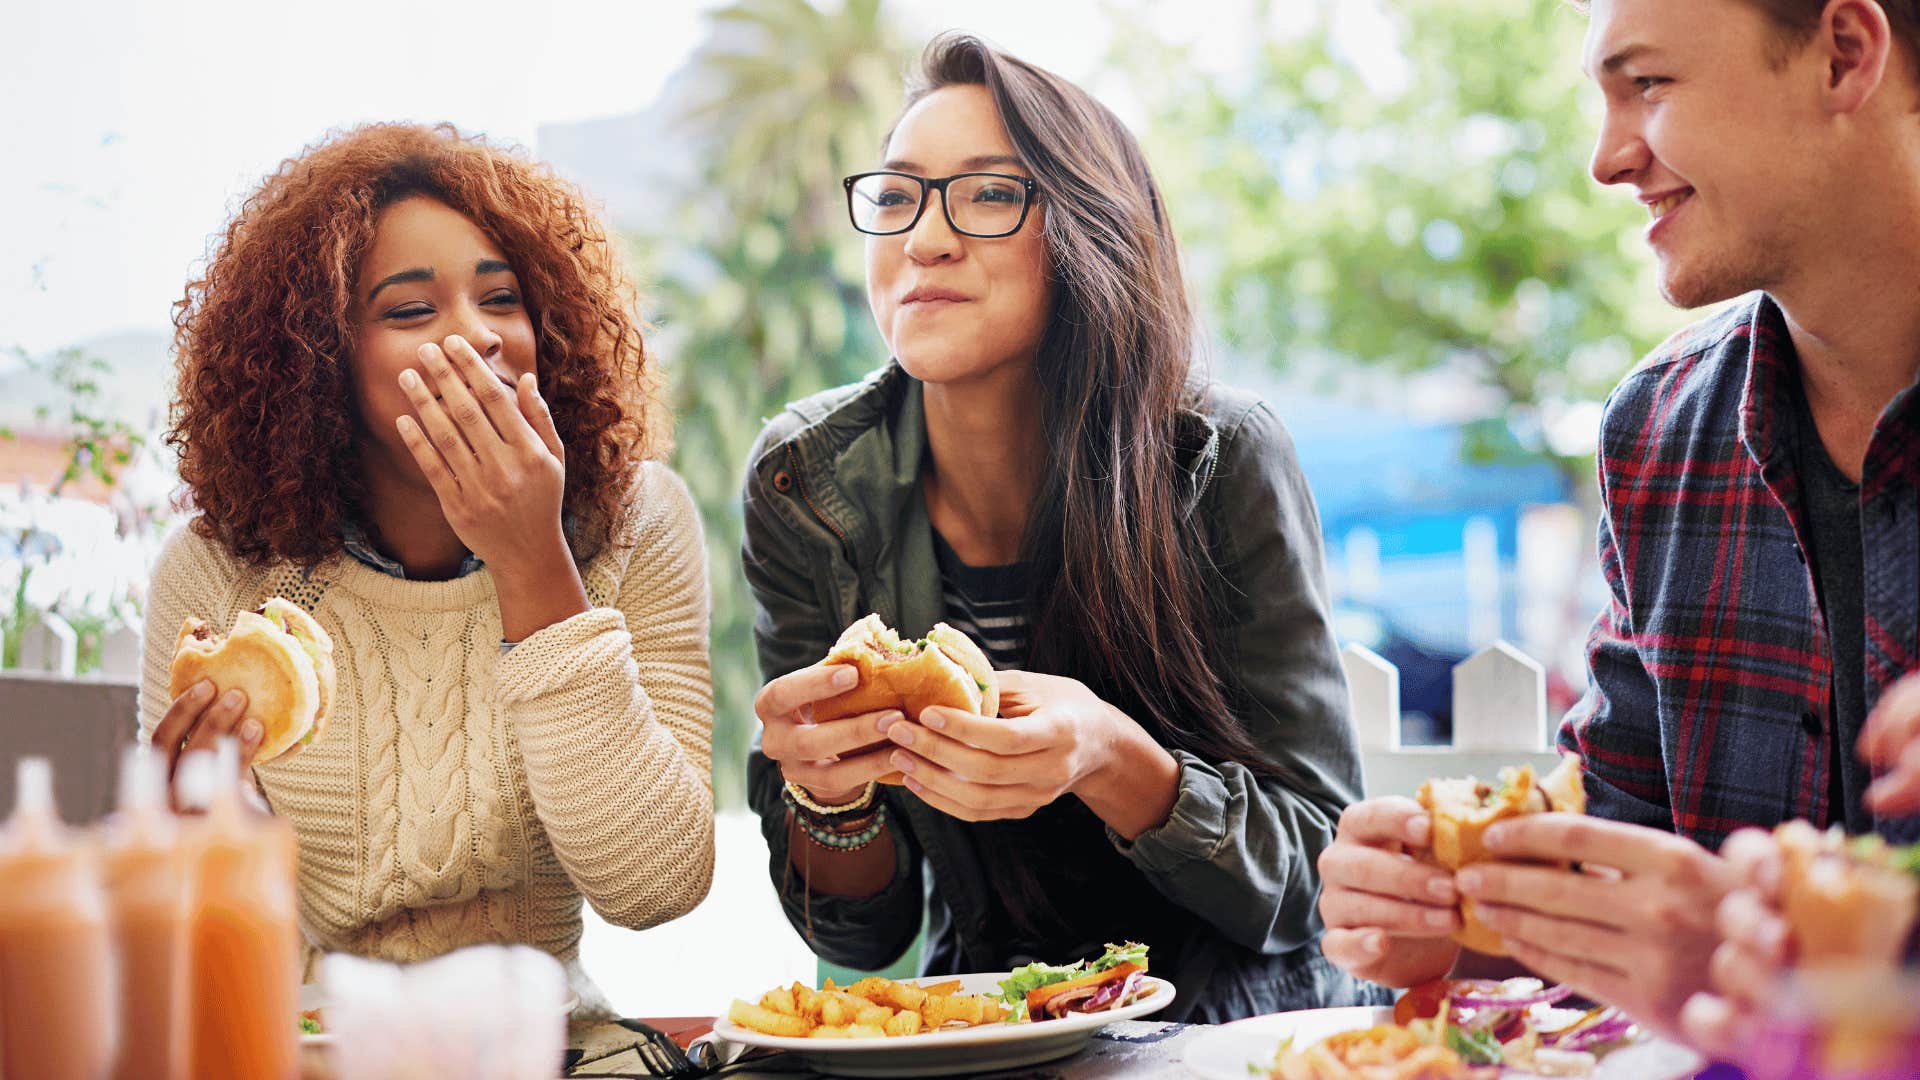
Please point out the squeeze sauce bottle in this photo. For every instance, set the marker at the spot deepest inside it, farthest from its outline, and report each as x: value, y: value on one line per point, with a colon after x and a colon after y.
x: 56, y: 960
x: 244, y: 938
x: 145, y: 868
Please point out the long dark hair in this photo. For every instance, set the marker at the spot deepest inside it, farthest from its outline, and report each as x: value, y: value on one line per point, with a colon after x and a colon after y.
x: 1126, y: 593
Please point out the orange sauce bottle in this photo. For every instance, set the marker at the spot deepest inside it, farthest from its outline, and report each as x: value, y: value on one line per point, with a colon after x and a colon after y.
x: 56, y: 960
x: 244, y: 938
x: 145, y: 870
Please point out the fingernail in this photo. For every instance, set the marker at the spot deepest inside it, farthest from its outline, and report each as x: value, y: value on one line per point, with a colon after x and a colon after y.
x: 202, y: 690
x: 1438, y: 919
x: 232, y: 699
x: 1468, y: 881
x: 887, y: 720
x: 1417, y: 828
x: 933, y: 718
x: 1496, y: 837
x: 901, y: 733
x: 1374, y: 944
x: 844, y: 678
x: 1440, y: 889
x: 408, y: 379
x: 903, y: 762
x: 250, y: 732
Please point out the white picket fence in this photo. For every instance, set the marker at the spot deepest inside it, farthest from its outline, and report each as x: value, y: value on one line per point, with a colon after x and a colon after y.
x: 50, y: 646
x: 1499, y: 703
x: 1499, y: 718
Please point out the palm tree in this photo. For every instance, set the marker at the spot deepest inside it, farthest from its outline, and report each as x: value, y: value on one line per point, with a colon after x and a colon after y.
x: 760, y: 298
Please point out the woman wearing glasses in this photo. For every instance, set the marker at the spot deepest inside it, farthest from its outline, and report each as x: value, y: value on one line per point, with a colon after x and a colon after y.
x: 1135, y: 548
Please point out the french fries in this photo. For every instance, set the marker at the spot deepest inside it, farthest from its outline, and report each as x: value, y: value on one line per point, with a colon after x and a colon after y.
x: 872, y: 1008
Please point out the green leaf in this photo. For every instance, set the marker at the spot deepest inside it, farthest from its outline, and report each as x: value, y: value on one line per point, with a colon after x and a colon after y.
x: 1907, y: 858
x: 1478, y: 1048
x: 1131, y: 953
x: 1022, y: 981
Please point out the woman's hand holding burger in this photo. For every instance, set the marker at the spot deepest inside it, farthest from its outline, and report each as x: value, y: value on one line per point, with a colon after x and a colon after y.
x: 833, y: 759
x: 1054, y: 737
x: 198, y: 717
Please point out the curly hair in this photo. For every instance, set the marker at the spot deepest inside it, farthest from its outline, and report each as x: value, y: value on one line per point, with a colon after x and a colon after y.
x: 264, y: 417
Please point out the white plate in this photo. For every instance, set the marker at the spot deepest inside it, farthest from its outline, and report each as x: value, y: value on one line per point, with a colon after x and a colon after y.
x: 1226, y: 1052
x: 986, y: 1048
x: 313, y: 996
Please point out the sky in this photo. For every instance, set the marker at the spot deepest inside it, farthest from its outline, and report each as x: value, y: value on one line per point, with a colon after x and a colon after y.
x: 144, y: 124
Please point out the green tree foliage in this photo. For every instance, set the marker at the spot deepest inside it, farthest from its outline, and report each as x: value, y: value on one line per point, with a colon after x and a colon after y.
x: 759, y: 286
x: 96, y: 447
x: 1447, y: 221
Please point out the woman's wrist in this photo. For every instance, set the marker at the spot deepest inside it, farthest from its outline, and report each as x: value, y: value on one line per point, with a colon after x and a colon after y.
x: 538, y: 594
x: 1135, y: 789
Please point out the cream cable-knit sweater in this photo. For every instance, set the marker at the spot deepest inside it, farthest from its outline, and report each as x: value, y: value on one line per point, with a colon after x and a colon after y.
x: 461, y: 796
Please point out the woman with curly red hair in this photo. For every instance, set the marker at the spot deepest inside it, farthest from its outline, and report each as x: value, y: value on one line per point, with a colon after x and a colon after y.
x: 414, y: 399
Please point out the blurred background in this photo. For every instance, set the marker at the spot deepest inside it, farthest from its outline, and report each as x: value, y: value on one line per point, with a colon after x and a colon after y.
x: 1384, y: 207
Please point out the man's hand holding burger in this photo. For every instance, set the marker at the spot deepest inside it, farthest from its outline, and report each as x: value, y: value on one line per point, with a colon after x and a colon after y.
x: 1389, y: 916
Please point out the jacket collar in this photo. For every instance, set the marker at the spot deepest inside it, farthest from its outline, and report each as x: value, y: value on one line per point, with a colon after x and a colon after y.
x: 859, y: 457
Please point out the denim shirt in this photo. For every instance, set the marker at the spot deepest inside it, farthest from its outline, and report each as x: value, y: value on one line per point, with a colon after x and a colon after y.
x: 1225, y: 890
x: 353, y: 537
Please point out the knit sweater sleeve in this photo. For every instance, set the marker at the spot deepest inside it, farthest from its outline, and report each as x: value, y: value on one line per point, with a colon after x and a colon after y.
x: 192, y: 579
x: 613, y: 710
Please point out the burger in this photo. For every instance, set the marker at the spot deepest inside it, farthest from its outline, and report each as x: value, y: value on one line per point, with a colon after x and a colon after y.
x: 1118, y: 977
x: 279, y: 657
x: 1463, y: 810
x: 944, y: 668
x: 1850, y: 901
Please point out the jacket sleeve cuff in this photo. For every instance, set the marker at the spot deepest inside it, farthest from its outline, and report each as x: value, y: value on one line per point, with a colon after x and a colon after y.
x: 845, y: 930
x: 1195, y: 829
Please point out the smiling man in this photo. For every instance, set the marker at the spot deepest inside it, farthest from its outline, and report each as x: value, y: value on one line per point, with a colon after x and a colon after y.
x: 1758, y: 476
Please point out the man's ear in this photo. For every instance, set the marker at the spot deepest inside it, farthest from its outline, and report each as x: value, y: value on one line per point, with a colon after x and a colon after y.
x: 1855, y: 43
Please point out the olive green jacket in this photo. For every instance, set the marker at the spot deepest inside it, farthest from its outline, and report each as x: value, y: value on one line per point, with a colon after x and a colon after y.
x: 836, y: 527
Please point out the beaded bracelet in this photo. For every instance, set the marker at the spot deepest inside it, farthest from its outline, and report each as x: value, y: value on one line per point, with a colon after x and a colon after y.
x: 798, y: 797
x: 804, y: 799
x: 847, y: 841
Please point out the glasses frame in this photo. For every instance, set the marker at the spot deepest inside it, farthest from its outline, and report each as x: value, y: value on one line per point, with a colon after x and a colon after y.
x: 939, y: 184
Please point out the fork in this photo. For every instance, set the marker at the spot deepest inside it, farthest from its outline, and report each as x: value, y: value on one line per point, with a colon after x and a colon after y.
x: 660, y: 1054
x: 662, y: 1057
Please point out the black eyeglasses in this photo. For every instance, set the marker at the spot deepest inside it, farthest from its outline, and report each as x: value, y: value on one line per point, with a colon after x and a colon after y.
x: 978, y: 204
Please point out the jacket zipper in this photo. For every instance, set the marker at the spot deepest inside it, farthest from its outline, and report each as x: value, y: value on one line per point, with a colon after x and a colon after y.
x: 1206, y: 478
x: 799, y: 480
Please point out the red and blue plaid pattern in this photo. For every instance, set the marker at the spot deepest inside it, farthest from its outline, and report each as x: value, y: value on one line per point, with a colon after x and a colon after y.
x: 1707, y: 708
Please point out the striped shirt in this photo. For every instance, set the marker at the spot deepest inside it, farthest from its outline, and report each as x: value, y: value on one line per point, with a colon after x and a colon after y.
x: 986, y: 603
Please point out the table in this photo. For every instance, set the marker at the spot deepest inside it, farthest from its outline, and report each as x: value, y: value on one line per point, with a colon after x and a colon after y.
x: 1130, y: 1048
x: 1133, y: 1049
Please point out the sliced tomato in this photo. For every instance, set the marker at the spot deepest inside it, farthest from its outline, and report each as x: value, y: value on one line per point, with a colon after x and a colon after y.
x: 1423, y: 1001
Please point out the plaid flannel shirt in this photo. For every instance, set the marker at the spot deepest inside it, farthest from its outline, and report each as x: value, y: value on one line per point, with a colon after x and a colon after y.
x: 1710, y: 675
